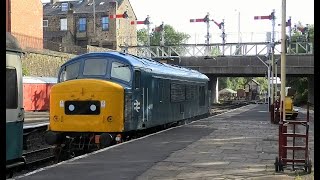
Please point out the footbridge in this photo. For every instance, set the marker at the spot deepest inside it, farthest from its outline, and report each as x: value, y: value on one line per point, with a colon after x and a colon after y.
x: 250, y: 59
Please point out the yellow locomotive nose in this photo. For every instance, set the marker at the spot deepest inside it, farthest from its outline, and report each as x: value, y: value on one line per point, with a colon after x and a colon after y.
x: 87, y: 105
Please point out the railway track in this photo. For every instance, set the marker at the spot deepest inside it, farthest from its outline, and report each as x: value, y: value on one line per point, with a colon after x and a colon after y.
x: 38, y: 154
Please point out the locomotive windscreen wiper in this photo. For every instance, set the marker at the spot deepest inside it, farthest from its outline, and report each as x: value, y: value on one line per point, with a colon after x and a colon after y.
x: 122, y: 66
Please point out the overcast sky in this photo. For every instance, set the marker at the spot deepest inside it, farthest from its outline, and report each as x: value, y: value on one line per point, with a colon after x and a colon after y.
x: 177, y: 13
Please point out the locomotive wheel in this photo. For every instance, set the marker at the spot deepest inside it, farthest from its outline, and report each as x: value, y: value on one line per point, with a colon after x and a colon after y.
x: 105, y: 140
x: 276, y: 165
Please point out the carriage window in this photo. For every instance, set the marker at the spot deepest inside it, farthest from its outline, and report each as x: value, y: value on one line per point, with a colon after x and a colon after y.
x: 70, y: 72
x: 120, y: 71
x: 137, y: 75
x: 96, y: 67
x: 11, y: 89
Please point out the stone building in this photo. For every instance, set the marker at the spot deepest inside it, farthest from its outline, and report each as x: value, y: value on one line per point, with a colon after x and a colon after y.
x: 87, y: 22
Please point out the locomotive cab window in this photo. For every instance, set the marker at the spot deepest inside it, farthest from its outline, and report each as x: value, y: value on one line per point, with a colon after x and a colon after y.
x: 95, y: 67
x: 137, y: 78
x: 120, y: 71
x: 11, y: 88
x: 70, y: 72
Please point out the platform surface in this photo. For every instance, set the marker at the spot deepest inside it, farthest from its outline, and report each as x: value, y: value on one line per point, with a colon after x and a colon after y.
x: 241, y: 144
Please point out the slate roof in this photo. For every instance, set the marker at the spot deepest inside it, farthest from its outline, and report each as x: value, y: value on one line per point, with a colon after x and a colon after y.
x: 81, y: 6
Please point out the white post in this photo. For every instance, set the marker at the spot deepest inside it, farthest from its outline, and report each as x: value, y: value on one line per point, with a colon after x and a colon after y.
x: 239, y: 38
x: 269, y: 86
x: 283, y: 58
x: 208, y: 34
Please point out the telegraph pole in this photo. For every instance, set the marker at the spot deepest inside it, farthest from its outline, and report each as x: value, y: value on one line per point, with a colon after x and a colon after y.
x: 283, y: 59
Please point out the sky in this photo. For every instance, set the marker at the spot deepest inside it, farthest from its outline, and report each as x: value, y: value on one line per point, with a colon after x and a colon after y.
x: 178, y: 13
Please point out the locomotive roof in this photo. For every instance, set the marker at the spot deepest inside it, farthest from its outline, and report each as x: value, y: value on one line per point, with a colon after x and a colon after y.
x: 12, y: 43
x: 153, y: 66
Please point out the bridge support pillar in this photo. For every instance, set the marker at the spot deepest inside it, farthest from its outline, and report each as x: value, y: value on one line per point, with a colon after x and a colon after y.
x: 213, y: 86
x: 311, y: 89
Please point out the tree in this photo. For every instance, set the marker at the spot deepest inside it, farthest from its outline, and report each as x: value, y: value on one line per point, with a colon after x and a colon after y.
x: 301, y: 36
x: 297, y: 83
x: 236, y: 83
x: 171, y: 37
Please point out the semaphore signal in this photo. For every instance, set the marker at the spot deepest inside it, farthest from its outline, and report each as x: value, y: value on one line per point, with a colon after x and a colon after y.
x: 207, y: 20
x: 116, y: 16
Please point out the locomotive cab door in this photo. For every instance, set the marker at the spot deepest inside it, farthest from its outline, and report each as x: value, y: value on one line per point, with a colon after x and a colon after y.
x: 138, y: 104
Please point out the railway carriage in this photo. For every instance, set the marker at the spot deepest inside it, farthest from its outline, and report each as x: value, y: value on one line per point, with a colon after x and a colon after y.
x: 14, y: 106
x: 100, y: 98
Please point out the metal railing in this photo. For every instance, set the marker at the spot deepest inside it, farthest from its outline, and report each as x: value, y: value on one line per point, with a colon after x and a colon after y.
x: 228, y: 49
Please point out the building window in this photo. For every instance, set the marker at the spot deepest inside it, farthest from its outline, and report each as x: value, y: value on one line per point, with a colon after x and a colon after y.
x: 64, y: 6
x: 82, y: 24
x: 105, y: 23
x: 45, y: 23
x: 63, y: 24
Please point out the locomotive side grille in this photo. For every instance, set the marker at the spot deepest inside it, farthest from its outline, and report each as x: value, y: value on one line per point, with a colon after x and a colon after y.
x: 82, y: 108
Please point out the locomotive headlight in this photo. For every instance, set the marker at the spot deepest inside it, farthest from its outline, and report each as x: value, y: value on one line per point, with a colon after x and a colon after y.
x: 71, y: 107
x: 93, y: 107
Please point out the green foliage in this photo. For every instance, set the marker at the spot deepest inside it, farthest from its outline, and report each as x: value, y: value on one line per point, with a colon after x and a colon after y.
x: 142, y: 35
x: 263, y: 83
x: 299, y: 39
x: 215, y: 51
x: 301, y: 87
x: 236, y: 83
x: 171, y: 37
x: 300, y: 84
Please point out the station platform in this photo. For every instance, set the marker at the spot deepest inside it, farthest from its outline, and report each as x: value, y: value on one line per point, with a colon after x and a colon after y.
x: 240, y: 144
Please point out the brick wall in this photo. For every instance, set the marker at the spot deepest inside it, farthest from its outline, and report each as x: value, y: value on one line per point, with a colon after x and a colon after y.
x: 126, y: 33
x: 26, y: 22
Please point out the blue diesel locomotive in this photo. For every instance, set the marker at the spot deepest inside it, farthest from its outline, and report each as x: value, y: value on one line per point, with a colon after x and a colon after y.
x: 14, y: 106
x: 100, y: 98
